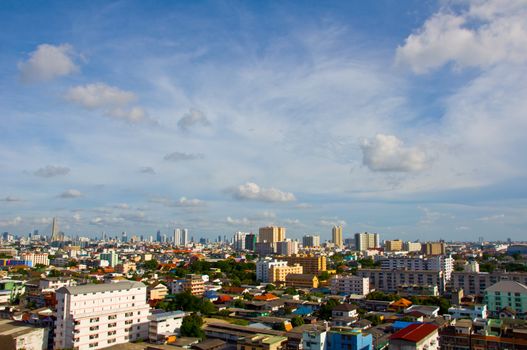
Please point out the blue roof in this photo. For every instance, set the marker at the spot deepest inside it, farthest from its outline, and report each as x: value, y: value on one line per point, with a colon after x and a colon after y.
x: 303, y: 310
x: 403, y: 324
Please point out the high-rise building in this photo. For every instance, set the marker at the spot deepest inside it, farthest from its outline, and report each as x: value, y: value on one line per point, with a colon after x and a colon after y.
x: 412, y: 246
x: 365, y: 241
x: 96, y: 316
x: 263, y: 266
x: 349, y: 284
x: 312, y: 264
x: 177, y: 237
x: 311, y: 241
x: 336, y: 236
x: 287, y: 247
x: 434, y: 248
x: 279, y: 273
x: 394, y: 245
x: 238, y: 241
x: 55, y: 230
x: 159, y: 238
x: 124, y: 237
x: 250, y: 241
x: 110, y: 256
x: 271, y: 234
x: 184, y: 237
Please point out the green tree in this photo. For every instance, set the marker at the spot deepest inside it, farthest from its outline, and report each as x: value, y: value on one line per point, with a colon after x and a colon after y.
x: 191, y: 326
x: 290, y: 291
x: 297, y: 321
x: 324, y: 276
x: 325, y: 310
x: 151, y: 264
x: 270, y: 287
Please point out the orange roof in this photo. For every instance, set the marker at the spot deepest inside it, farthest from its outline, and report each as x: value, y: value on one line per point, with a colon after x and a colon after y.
x: 266, y: 297
x: 401, y: 303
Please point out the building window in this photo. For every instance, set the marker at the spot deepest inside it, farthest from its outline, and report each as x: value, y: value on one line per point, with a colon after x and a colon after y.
x: 111, y: 325
x: 95, y: 319
x: 93, y: 345
x: 94, y: 328
x: 112, y: 317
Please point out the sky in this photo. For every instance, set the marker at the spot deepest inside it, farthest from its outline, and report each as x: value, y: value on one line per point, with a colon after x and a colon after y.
x: 406, y: 118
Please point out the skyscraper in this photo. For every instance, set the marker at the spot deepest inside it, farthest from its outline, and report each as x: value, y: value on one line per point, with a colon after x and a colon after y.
x: 365, y: 241
x: 158, y: 236
x: 309, y: 241
x: 184, y: 238
x: 54, y: 230
x: 271, y: 234
x: 177, y: 237
x: 336, y: 236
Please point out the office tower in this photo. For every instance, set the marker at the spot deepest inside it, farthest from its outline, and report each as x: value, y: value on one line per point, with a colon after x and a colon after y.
x: 271, y: 234
x: 365, y: 241
x: 434, y: 248
x: 124, y: 237
x: 159, y: 238
x: 177, y: 237
x: 184, y: 238
x: 394, y: 245
x: 238, y: 241
x: 54, y: 230
x: 336, y: 236
x: 250, y: 241
x: 110, y: 256
x: 96, y: 316
x: 287, y: 247
x: 311, y: 241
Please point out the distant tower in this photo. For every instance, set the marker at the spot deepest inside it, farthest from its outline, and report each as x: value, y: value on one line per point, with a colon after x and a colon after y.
x: 177, y: 237
x: 184, y: 238
x: 336, y: 236
x: 54, y: 230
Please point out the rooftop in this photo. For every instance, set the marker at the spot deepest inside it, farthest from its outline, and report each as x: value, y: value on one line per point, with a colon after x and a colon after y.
x: 414, y: 333
x: 97, y: 288
x: 508, y: 286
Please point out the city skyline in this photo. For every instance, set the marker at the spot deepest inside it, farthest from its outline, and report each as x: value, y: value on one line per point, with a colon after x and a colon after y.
x: 401, y: 118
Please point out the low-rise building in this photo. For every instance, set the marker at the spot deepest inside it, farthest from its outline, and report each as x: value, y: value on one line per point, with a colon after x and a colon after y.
x: 164, y: 325
x: 301, y: 280
x: 507, y: 294
x: 21, y: 336
x: 350, y: 284
x: 423, y: 336
x: 470, y: 312
x: 339, y: 338
x: 262, y: 342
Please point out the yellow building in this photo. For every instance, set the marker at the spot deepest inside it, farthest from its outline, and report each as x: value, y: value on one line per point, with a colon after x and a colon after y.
x: 262, y: 342
x: 194, y: 284
x: 336, y: 236
x: 311, y: 264
x: 303, y: 280
x: 157, y: 291
x: 394, y: 245
x: 279, y: 273
x: 271, y: 234
x: 436, y: 248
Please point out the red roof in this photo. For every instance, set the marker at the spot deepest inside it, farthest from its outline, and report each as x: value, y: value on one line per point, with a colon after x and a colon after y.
x: 415, y: 332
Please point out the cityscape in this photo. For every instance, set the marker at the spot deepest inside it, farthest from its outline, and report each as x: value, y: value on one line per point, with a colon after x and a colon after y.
x: 228, y: 175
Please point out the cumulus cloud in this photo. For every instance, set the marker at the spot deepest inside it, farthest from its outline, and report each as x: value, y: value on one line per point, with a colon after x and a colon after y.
x: 122, y: 206
x: 70, y: 194
x: 485, y: 33
x: 52, y: 171
x: 332, y: 222
x: 251, y: 191
x: 388, y: 153
x: 114, y: 102
x: 192, y: 118
x: 181, y: 156
x: 147, y: 170
x: 182, y: 202
x: 47, y: 62
x: 241, y: 221
x: 11, y: 199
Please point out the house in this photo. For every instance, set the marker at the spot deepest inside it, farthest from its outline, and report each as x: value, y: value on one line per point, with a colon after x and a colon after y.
x: 157, y: 291
x: 416, y: 337
x: 425, y: 310
x: 344, y: 315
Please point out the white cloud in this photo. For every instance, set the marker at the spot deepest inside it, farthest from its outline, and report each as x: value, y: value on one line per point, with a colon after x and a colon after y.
x: 493, y: 218
x: 486, y: 33
x: 332, y: 222
x: 192, y: 118
x: 241, y: 221
x: 47, y: 62
x: 181, y: 156
x: 186, y: 202
x: 114, y: 102
x: 70, y: 194
x: 387, y: 153
x: 122, y: 206
x: 251, y: 191
x: 303, y: 206
x: 11, y: 222
x: 147, y: 170
x: 52, y: 171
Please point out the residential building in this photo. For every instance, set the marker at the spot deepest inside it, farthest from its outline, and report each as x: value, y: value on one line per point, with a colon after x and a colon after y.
x: 423, y: 336
x: 157, y: 291
x: 475, y: 283
x: 262, y: 342
x: 434, y: 248
x: 350, y: 284
x: 177, y: 237
x: 263, y: 266
x: 301, y: 280
x: 365, y: 241
x: 469, y: 311
x: 344, y: 315
x: 336, y: 236
x: 36, y: 258
x: 194, y: 284
x: 250, y: 241
x: 184, y: 237
x: 314, y: 339
x: 311, y: 241
x: 339, y: 338
x: 412, y: 246
x: 271, y: 234
x: 95, y: 316
x: 507, y: 294
x: 279, y: 273
x: 265, y: 248
x: 287, y: 247
x: 164, y: 325
x: 433, y: 263
x: 238, y: 241
x: 394, y: 245
x: 312, y: 264
x: 111, y: 256
x: 471, y: 266
x: 51, y: 284
x: 389, y: 280
x: 21, y: 336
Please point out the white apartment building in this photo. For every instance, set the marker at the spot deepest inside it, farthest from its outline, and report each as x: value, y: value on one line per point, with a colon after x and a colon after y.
x: 349, y: 284
x: 471, y: 312
x: 36, y: 258
x: 311, y: 241
x: 263, y: 267
x: 314, y: 340
x: 433, y: 263
x: 287, y: 247
x: 51, y: 284
x: 238, y: 241
x: 365, y: 241
x: 163, y: 325
x: 95, y: 316
x: 413, y: 246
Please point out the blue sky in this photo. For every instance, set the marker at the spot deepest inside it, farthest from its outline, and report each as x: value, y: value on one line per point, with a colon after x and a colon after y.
x: 405, y: 118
